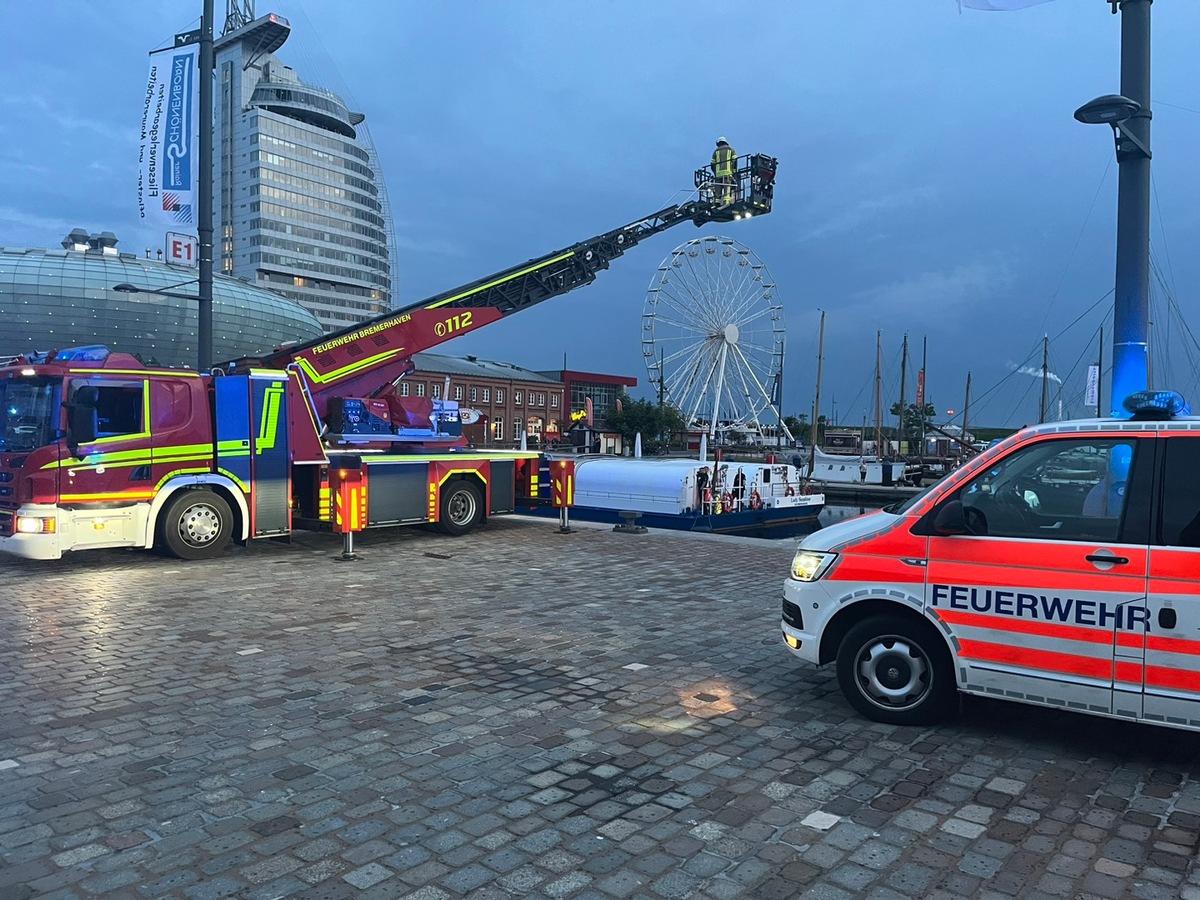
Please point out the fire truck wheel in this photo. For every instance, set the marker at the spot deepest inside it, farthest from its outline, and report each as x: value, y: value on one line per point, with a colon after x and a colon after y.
x: 196, y: 524
x: 896, y: 670
x: 461, y: 509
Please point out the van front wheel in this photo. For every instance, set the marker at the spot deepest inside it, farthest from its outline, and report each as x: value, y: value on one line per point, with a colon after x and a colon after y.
x: 896, y: 670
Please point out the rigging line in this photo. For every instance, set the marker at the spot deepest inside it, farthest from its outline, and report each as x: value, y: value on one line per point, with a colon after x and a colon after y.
x: 1108, y: 157
x: 1162, y: 230
x: 1158, y: 102
x: 1110, y: 292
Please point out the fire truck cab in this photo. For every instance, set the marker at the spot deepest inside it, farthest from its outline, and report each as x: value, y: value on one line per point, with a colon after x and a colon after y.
x: 1060, y: 568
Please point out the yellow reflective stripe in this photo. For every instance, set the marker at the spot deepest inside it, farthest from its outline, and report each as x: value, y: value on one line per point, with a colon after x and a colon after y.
x: 245, y: 487
x: 345, y: 370
x: 492, y: 284
x: 179, y: 373
x: 117, y: 495
x: 268, y: 426
x: 449, y: 457
x: 475, y: 472
x: 134, y: 457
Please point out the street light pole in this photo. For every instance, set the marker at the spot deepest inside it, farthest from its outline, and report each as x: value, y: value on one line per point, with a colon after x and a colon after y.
x: 1129, y: 115
x: 1132, y: 303
x: 204, y: 341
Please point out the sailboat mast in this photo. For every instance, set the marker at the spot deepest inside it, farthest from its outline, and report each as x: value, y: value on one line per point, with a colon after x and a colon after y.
x: 879, y: 394
x: 903, y: 384
x: 966, y: 410
x: 812, y: 466
x: 1045, y: 377
x: 922, y: 387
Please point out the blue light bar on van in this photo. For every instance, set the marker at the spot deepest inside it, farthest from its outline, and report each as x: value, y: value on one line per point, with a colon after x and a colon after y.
x: 90, y: 353
x: 1157, y: 405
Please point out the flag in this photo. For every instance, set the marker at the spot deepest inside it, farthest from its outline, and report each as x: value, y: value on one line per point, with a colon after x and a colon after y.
x: 921, y: 389
x: 998, y: 5
x: 168, y: 152
x: 1091, y: 396
x: 587, y: 405
x: 775, y: 390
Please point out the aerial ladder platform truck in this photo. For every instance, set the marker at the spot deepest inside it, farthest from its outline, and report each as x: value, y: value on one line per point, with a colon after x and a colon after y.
x: 97, y: 450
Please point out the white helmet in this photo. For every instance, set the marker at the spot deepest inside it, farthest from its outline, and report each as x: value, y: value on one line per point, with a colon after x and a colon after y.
x: 722, y: 140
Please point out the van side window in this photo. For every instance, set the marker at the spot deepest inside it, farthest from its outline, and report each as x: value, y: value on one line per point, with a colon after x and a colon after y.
x: 1180, y: 525
x: 1065, y: 490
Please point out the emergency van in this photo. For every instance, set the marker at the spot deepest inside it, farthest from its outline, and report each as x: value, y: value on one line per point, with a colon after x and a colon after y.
x: 1060, y: 567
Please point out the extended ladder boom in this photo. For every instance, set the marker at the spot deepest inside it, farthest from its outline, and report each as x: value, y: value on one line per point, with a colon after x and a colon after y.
x: 376, y: 351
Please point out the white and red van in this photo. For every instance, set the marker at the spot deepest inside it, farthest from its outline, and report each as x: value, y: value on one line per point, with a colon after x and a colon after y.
x: 1060, y: 567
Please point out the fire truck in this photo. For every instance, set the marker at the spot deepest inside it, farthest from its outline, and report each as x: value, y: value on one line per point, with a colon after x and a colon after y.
x: 98, y: 451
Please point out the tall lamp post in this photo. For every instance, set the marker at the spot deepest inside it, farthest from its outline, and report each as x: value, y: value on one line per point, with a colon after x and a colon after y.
x: 1129, y: 115
x: 204, y: 229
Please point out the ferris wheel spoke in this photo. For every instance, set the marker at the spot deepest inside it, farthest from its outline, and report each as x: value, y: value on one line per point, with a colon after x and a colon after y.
x: 690, y: 306
x: 761, y: 390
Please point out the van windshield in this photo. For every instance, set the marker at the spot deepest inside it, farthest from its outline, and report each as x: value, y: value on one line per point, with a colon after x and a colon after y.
x: 28, y: 413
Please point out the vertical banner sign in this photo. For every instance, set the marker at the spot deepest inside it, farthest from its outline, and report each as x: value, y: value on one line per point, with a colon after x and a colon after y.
x: 169, y: 150
x: 921, y: 389
x: 1091, y: 397
x: 775, y: 390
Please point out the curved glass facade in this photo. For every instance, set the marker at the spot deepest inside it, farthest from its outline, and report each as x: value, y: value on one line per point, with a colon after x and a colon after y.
x: 51, y: 299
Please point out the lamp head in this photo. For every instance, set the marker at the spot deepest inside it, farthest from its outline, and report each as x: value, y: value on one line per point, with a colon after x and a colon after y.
x: 1111, y: 109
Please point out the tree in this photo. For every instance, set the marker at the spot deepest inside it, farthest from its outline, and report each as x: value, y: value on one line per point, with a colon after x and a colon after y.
x: 654, y: 423
x: 796, y: 424
x: 915, y: 418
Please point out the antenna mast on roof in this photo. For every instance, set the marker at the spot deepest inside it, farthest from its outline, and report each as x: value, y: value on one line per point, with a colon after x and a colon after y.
x: 237, y: 14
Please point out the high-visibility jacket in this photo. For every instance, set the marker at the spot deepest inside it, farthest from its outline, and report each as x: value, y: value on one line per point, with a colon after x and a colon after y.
x: 724, y: 161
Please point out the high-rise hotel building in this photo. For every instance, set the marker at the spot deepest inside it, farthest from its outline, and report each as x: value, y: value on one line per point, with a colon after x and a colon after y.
x: 298, y: 198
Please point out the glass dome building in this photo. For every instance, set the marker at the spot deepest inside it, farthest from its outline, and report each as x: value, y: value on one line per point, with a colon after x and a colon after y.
x: 51, y: 299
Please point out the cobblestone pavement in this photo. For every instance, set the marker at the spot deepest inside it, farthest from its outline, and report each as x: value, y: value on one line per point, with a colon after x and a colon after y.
x: 521, y: 713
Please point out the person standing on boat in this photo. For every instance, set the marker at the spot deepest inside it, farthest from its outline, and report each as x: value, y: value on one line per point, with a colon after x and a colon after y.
x: 862, y: 473
x: 739, y: 489
x: 704, y: 501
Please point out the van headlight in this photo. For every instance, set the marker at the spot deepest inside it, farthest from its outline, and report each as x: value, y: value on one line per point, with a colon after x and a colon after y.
x: 809, y: 565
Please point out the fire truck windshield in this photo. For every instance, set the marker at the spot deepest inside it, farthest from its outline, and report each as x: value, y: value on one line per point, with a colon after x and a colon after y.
x: 28, y: 413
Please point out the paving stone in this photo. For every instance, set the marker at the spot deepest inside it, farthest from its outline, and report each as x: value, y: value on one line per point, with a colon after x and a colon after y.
x: 467, y: 742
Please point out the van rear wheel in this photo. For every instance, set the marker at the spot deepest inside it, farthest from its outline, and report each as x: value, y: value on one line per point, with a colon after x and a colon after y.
x: 896, y: 670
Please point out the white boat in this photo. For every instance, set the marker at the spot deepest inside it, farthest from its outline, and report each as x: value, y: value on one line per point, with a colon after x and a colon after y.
x: 691, y: 495
x: 840, y: 468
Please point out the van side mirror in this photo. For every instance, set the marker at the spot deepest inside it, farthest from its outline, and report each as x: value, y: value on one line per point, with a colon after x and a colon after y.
x: 950, y: 519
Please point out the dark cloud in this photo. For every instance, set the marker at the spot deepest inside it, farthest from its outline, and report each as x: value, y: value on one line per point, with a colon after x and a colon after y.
x: 931, y: 180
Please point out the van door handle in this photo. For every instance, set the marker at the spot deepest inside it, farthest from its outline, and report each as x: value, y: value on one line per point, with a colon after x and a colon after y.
x: 1107, y: 558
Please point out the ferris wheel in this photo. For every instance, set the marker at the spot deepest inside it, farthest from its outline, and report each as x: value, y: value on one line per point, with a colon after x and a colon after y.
x: 713, y: 335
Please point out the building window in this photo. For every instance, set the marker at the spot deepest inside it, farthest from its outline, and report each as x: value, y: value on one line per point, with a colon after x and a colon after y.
x: 474, y: 394
x: 436, y: 393
x: 518, y: 427
x: 554, y: 401
x: 534, y: 427
x: 421, y: 388
x: 498, y: 429
x: 487, y: 395
x: 500, y: 395
x: 516, y: 398
x: 458, y: 392
x: 404, y: 389
x: 541, y: 399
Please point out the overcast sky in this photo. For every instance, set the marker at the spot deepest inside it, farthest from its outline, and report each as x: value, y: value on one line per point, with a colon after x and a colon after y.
x: 932, y: 179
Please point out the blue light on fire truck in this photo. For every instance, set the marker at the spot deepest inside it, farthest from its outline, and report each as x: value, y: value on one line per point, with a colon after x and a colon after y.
x: 90, y: 353
x: 1157, y: 405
